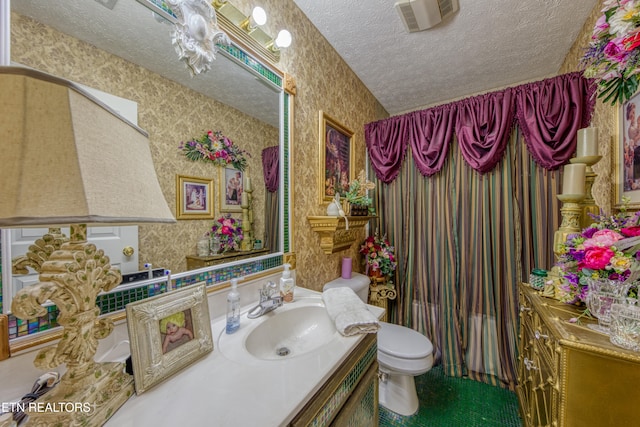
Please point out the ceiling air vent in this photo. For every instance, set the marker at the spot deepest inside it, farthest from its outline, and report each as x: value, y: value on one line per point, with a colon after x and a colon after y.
x: 418, y: 15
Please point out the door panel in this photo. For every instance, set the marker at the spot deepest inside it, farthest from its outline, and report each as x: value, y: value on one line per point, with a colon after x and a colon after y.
x: 112, y: 240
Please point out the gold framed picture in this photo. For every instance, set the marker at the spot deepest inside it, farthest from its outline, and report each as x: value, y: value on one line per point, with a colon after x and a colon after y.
x: 194, y: 197
x: 337, y: 155
x: 168, y: 332
x: 627, y: 152
x: 231, y: 187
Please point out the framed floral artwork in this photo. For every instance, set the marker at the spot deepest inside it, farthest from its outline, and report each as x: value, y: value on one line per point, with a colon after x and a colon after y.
x: 231, y: 188
x: 337, y: 155
x: 167, y: 333
x: 194, y: 197
x: 627, y: 152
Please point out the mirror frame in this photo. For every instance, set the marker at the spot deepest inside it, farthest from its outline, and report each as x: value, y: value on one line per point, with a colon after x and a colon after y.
x: 250, y: 61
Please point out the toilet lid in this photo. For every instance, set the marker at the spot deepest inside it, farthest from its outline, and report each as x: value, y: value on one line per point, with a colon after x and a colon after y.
x: 403, y: 342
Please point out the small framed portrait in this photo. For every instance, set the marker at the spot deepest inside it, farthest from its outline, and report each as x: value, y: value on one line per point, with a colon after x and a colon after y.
x: 627, y: 152
x: 231, y: 188
x: 168, y: 332
x: 336, y: 159
x: 194, y: 197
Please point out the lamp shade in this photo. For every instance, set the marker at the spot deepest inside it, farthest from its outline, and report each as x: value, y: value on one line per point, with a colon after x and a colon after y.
x: 67, y: 158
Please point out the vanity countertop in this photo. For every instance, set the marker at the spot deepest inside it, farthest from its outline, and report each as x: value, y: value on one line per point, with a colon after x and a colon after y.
x: 217, y: 390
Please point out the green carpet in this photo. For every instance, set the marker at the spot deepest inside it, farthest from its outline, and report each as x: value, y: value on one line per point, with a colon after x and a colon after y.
x: 457, y: 402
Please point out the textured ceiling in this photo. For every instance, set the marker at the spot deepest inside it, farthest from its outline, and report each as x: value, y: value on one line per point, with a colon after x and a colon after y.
x: 487, y: 44
x: 131, y: 32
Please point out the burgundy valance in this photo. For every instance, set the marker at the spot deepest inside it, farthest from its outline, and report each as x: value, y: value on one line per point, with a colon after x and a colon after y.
x: 387, y: 144
x: 483, y: 125
x: 431, y: 132
x: 549, y: 113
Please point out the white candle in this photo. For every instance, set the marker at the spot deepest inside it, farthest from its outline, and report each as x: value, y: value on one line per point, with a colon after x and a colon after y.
x: 573, y: 178
x: 587, y: 142
x: 247, y: 184
x: 245, y: 199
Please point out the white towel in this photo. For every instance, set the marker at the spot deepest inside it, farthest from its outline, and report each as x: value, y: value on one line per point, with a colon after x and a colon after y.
x: 349, y: 313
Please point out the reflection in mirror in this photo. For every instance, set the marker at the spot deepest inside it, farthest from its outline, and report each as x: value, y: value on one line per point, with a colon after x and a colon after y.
x: 238, y: 96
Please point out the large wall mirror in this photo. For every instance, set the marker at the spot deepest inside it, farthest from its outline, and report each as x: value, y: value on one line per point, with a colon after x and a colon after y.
x: 240, y: 96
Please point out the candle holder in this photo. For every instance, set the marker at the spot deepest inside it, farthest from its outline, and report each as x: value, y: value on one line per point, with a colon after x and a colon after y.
x: 588, y: 204
x: 247, y: 222
x: 571, y: 214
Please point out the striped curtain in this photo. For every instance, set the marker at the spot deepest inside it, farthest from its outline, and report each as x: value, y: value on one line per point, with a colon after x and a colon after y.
x: 463, y: 242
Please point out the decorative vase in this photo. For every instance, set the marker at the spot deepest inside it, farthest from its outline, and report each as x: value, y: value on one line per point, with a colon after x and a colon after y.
x: 625, y: 326
x: 375, y: 273
x: 601, y: 295
x: 358, y: 210
x: 214, y: 246
x: 202, y: 247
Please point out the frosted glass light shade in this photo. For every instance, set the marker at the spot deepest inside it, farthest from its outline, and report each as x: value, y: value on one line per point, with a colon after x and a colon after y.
x: 283, y: 39
x: 259, y: 16
x: 67, y: 158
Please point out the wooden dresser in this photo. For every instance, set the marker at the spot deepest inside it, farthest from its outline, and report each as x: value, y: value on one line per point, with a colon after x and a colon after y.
x: 194, y: 261
x: 570, y: 375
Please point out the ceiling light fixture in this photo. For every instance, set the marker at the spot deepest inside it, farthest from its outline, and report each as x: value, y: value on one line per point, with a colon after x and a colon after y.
x: 257, y: 19
x: 247, y: 29
x: 284, y: 39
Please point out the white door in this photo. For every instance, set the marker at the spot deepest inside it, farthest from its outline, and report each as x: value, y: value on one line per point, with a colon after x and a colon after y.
x: 112, y: 240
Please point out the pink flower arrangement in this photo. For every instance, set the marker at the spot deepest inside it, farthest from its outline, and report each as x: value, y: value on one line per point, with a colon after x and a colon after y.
x: 229, y: 231
x: 613, y: 55
x: 216, y: 148
x: 379, y: 254
x: 608, y: 249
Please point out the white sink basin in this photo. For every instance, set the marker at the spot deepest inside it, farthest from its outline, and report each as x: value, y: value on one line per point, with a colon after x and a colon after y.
x: 290, y: 333
x: 295, y: 329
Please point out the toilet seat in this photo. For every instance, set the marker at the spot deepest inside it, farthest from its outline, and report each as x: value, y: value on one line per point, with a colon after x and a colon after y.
x: 403, y: 350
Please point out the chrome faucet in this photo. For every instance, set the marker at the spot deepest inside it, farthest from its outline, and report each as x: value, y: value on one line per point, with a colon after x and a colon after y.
x: 270, y: 299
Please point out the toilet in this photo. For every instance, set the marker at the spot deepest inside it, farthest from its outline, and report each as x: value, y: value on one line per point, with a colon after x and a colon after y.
x: 402, y: 354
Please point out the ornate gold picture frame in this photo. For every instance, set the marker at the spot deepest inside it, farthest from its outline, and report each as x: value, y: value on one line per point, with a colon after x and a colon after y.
x: 231, y: 187
x: 627, y: 154
x: 337, y: 158
x: 168, y: 332
x: 194, y: 197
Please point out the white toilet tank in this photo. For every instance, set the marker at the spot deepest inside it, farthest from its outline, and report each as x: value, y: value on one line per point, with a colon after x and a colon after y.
x: 359, y: 283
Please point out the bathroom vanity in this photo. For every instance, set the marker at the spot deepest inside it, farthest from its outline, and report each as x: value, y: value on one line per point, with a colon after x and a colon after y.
x: 329, y: 382
x: 332, y: 383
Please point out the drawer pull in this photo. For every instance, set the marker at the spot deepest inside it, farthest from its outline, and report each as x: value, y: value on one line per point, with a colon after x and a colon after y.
x: 539, y: 335
x: 530, y: 364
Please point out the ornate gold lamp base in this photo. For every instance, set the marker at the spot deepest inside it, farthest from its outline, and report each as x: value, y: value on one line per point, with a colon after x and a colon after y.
x: 87, y: 401
x: 89, y: 392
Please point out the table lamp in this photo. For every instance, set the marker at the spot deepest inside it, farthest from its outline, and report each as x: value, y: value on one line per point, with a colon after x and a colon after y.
x: 67, y: 159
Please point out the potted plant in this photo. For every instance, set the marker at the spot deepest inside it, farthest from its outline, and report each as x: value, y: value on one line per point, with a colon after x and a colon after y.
x: 358, y: 197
